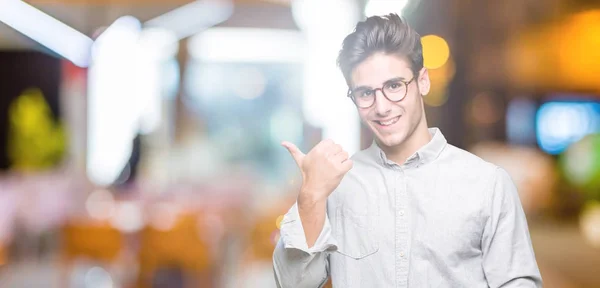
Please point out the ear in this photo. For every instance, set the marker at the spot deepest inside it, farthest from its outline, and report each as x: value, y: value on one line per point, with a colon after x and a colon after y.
x: 424, y: 83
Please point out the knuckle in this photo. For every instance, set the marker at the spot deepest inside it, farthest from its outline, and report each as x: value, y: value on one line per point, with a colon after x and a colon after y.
x: 329, y: 150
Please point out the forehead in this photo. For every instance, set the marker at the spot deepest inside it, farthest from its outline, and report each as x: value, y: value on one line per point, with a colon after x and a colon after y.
x: 379, y: 68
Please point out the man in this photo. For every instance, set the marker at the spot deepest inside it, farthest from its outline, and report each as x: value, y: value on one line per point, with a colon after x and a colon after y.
x: 411, y: 210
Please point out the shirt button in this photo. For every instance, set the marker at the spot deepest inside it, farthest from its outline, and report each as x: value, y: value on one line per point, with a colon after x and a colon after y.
x: 401, y: 212
x: 401, y: 253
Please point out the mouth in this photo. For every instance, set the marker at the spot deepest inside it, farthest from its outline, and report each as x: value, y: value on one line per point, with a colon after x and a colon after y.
x: 388, y: 122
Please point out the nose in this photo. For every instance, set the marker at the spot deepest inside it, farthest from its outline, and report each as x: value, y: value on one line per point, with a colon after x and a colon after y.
x: 383, y: 106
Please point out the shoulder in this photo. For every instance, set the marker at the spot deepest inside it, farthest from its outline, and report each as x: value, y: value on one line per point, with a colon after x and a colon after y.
x: 460, y: 160
x: 466, y: 171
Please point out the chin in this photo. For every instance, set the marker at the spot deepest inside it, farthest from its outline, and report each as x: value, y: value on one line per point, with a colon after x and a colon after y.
x: 391, y: 140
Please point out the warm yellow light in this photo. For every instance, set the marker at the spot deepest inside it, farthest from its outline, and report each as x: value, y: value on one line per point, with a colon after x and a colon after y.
x: 589, y: 223
x: 2, y: 255
x: 558, y: 56
x: 440, y: 79
x: 578, y: 49
x: 278, y: 221
x: 435, y: 51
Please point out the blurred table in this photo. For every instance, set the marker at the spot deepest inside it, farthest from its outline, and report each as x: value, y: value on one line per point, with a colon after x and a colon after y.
x: 564, y: 257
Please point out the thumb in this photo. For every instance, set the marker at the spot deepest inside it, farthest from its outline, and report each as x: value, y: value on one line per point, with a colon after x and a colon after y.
x: 296, y: 153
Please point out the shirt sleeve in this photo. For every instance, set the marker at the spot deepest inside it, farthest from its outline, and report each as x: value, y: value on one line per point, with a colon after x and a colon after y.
x: 292, y: 233
x: 296, y: 265
x: 508, y: 255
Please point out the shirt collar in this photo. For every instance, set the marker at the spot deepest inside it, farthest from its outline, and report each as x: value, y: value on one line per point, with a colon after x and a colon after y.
x: 425, y: 154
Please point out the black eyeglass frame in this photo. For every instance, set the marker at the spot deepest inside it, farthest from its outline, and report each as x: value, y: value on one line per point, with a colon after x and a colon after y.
x: 350, y: 93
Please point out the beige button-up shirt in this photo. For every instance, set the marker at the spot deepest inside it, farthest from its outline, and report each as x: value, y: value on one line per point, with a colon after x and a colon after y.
x: 444, y: 218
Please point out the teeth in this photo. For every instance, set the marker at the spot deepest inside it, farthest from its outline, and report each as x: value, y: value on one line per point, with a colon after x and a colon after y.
x: 389, y: 122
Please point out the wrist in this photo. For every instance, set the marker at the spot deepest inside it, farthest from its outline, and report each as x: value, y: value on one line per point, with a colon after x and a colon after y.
x: 310, y: 198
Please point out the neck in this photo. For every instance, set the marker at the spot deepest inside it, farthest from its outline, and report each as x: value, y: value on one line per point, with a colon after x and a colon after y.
x: 419, y: 138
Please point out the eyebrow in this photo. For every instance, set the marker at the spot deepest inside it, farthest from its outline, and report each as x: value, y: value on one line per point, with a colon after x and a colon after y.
x: 393, y: 80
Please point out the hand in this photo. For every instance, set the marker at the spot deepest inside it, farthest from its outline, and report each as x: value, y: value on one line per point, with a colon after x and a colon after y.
x: 322, y: 170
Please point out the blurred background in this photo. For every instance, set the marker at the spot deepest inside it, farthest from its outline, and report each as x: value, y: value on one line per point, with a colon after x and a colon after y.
x: 140, y: 140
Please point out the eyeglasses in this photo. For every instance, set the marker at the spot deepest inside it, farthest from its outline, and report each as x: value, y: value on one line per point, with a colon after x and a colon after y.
x: 394, y: 90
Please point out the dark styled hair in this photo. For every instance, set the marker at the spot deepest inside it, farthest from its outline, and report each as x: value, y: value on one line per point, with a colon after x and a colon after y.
x: 389, y: 34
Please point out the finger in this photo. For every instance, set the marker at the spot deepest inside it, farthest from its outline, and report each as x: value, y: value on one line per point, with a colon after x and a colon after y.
x: 347, y: 165
x: 328, y: 141
x: 294, y: 151
x: 325, y: 144
x: 340, y: 157
x: 335, y: 149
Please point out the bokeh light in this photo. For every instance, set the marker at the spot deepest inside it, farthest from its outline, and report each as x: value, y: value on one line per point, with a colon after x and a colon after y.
x: 250, y: 83
x: 128, y: 217
x: 97, y: 277
x: 573, y: 63
x: 285, y: 125
x: 100, y: 205
x: 578, y: 49
x: 174, y: 172
x: 581, y: 165
x: 520, y: 121
x: 278, y: 221
x: 589, y: 223
x: 440, y: 79
x: 484, y: 110
x: 560, y: 124
x: 533, y: 172
x: 164, y: 216
x: 435, y: 51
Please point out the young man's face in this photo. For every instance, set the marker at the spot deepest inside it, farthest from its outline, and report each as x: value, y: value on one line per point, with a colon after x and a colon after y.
x: 391, y: 122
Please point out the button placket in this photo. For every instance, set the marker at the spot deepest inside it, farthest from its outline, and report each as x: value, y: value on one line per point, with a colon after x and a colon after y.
x: 401, y: 229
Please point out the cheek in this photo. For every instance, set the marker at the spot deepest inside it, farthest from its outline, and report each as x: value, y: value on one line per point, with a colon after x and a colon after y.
x: 363, y: 114
x: 413, y: 103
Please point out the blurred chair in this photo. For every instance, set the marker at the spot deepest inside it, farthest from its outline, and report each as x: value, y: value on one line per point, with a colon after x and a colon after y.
x: 264, y: 235
x: 180, y: 251
x: 260, y: 234
x: 2, y: 254
x: 89, y: 240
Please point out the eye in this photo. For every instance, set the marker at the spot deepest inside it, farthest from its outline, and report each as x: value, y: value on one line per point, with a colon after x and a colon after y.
x: 394, y: 86
x: 365, y: 93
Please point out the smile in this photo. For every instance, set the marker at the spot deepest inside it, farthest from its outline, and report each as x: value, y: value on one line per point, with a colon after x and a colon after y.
x: 388, y: 122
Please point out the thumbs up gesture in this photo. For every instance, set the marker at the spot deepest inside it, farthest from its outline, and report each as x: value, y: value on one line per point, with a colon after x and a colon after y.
x: 322, y: 169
